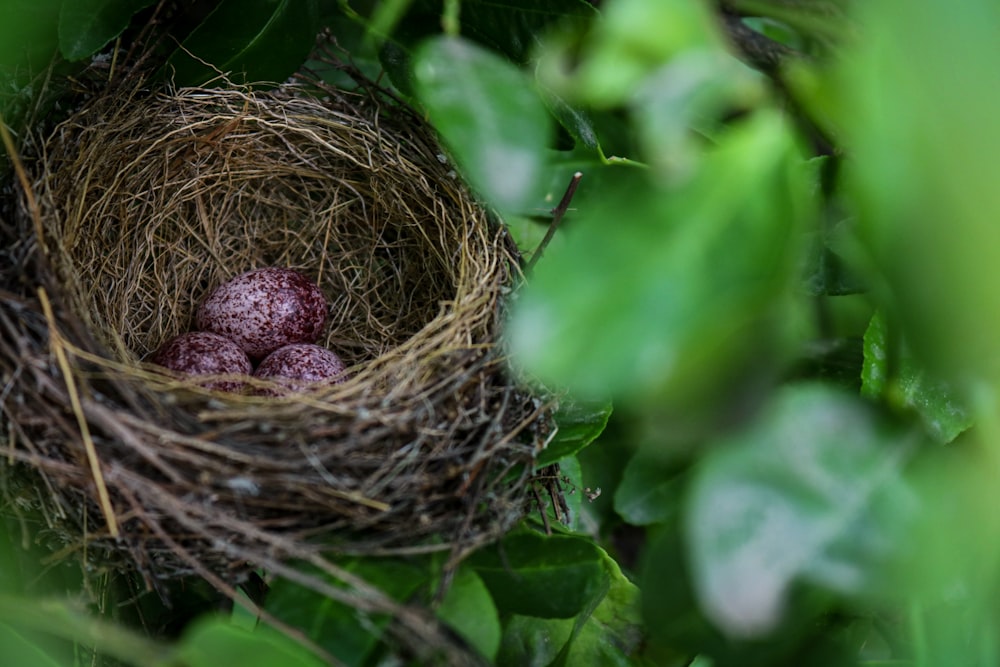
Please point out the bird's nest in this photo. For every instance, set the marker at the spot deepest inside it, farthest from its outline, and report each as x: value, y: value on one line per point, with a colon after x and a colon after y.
x: 139, y: 204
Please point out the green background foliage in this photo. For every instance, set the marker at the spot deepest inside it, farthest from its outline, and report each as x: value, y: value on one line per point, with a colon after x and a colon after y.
x: 782, y: 280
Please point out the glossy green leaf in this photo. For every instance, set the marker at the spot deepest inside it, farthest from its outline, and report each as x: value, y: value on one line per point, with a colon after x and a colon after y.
x: 469, y: 610
x: 650, y: 490
x: 812, y: 492
x: 250, y: 40
x: 609, y: 634
x: 579, y: 424
x: 553, y: 576
x: 86, y: 26
x: 667, y: 293
x: 922, y: 174
x: 490, y: 117
x: 347, y: 633
x: 939, y: 406
x: 213, y: 641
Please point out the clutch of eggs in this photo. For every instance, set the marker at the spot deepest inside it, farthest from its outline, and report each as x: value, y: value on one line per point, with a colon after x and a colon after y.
x: 270, y: 315
x: 264, y: 309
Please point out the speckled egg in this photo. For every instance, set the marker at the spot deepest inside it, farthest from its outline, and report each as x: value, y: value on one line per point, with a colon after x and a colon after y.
x: 264, y: 309
x: 301, y: 365
x: 205, y: 353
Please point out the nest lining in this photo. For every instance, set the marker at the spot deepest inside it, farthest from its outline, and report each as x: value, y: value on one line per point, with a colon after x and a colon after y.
x: 146, y: 202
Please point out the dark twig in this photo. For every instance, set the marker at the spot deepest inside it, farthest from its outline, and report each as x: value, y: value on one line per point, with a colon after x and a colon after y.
x: 557, y: 215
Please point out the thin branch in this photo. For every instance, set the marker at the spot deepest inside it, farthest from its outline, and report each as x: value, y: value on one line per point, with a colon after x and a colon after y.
x: 557, y: 215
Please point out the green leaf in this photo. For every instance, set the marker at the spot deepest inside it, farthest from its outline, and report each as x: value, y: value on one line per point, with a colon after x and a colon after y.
x: 86, y: 26
x: 650, y: 490
x: 922, y: 174
x: 347, y: 633
x: 685, y: 101
x: 939, y: 405
x: 608, y: 634
x: 516, y: 27
x: 574, y: 489
x: 468, y: 608
x: 579, y: 424
x: 16, y: 649
x: 490, y: 118
x: 638, y: 303
x: 513, y: 28
x: 28, y: 36
x: 553, y: 576
x: 252, y: 40
x: 213, y: 641
x: 812, y: 492
x: 634, y: 39
x: 575, y: 119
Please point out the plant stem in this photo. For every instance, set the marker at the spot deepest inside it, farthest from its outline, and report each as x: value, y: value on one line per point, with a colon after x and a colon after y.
x: 557, y: 215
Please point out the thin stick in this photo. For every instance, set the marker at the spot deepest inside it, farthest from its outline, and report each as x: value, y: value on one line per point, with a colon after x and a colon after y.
x: 557, y: 215
x: 74, y: 400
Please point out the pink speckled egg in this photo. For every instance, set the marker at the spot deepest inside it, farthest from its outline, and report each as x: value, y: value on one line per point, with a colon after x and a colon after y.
x: 300, y: 365
x: 205, y: 353
x: 264, y: 309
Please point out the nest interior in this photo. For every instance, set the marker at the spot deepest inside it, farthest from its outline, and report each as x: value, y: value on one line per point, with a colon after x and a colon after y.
x: 141, y: 203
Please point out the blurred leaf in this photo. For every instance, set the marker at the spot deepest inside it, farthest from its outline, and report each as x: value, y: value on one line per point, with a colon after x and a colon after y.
x: 213, y: 641
x: 665, y: 294
x: 670, y: 611
x: 468, y: 608
x: 348, y: 633
x: 651, y: 489
x: 15, y: 649
x: 30, y: 68
x: 680, y: 104
x: 28, y: 36
x: 937, y: 403
x: 633, y: 40
x: 252, y: 40
x: 812, y: 492
x: 608, y: 634
x: 61, y: 621
x: 489, y: 116
x: 579, y: 423
x: 86, y: 26
x: 528, y: 232
x: 600, y: 179
x: 553, y: 576
x: 513, y: 28
x: 922, y: 173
